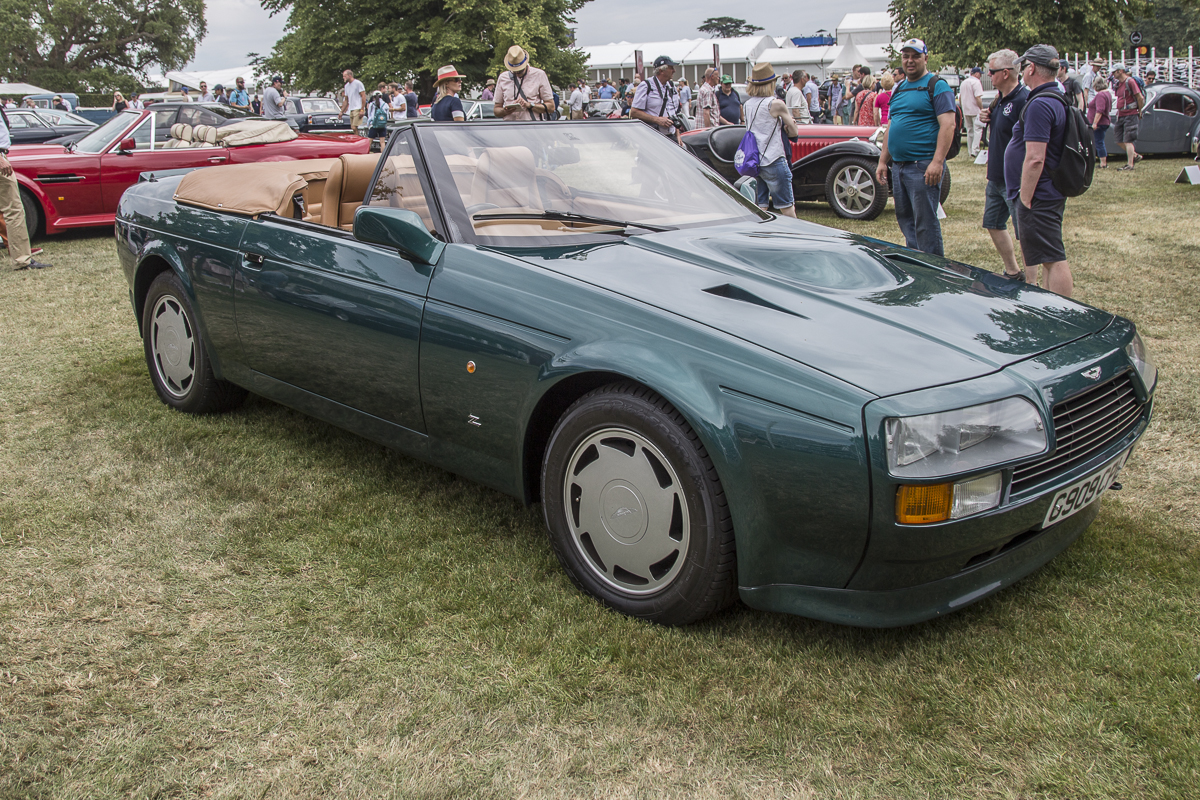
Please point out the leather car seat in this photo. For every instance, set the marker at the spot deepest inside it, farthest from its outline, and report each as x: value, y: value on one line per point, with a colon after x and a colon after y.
x: 181, y: 136
x: 505, y: 178
x: 204, y: 136
x: 345, y: 187
x: 723, y: 142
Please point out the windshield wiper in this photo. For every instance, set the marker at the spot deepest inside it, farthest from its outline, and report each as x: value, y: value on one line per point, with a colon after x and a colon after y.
x: 567, y: 216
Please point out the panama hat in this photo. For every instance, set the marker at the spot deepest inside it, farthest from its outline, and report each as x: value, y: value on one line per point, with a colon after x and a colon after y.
x: 516, y: 59
x: 763, y: 72
x: 447, y: 73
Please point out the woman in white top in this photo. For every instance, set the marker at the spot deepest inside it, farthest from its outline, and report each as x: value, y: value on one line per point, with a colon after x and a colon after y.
x: 766, y: 116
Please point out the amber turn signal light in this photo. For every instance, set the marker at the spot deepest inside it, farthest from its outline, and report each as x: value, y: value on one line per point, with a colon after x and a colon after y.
x: 916, y: 505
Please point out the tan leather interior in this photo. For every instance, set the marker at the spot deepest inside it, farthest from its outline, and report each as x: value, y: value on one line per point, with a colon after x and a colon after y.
x: 266, y: 187
x: 345, y: 187
x: 505, y: 178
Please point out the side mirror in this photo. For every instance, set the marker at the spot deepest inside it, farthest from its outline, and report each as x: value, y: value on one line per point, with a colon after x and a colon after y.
x: 398, y: 228
x: 127, y: 145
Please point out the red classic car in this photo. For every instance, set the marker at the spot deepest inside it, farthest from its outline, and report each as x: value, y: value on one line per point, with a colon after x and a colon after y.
x: 78, y: 185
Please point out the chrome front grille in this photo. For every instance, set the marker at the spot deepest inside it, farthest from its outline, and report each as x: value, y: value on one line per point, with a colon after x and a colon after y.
x: 1084, y: 424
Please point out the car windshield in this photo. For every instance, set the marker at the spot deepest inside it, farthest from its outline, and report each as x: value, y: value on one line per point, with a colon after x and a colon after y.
x: 98, y: 140
x: 520, y: 184
x: 225, y: 111
x: 319, y: 105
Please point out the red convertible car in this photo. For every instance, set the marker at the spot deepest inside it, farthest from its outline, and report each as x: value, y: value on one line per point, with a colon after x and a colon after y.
x: 78, y: 185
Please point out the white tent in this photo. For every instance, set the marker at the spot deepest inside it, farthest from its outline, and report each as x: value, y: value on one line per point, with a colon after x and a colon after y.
x: 738, y: 55
x: 871, y: 28
x: 225, y: 77
x: 21, y: 89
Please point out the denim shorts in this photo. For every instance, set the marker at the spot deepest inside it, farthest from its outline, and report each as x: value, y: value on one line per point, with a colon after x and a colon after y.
x: 775, y: 184
x: 997, y: 209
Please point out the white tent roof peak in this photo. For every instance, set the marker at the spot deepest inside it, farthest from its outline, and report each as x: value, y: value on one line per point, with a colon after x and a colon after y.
x: 870, y: 20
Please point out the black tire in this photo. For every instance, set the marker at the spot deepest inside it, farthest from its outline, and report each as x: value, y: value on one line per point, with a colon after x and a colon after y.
x: 945, y: 187
x: 853, y: 191
x: 175, y: 353
x: 33, y: 214
x: 624, y: 449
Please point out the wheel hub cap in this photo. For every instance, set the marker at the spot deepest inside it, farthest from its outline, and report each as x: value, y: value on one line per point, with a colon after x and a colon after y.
x: 624, y: 515
x: 626, y: 511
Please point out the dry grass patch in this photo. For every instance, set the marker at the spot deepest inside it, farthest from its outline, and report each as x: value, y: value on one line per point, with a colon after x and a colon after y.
x: 260, y: 605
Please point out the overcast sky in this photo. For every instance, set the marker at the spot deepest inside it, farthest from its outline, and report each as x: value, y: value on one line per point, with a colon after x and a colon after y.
x: 237, y: 27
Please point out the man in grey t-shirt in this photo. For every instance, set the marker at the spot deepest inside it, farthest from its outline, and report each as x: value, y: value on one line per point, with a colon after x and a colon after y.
x: 272, y: 102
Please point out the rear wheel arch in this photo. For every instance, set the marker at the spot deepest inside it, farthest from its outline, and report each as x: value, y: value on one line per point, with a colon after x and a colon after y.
x: 150, y: 268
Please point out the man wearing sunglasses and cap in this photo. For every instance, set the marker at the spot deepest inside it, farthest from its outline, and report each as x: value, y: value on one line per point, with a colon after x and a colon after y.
x: 656, y: 101
x: 522, y: 91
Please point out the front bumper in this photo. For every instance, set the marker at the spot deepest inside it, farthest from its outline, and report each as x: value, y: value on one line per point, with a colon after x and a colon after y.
x: 913, y: 604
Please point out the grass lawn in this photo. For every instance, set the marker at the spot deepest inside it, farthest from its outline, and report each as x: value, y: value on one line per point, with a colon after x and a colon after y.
x: 261, y: 605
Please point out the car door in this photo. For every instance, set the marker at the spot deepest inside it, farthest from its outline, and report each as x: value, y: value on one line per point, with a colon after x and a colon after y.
x: 1167, y: 123
x: 333, y: 316
x: 155, y: 150
x: 29, y: 129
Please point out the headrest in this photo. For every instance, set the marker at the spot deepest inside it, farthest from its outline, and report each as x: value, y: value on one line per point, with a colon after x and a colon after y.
x: 181, y: 130
x: 204, y: 133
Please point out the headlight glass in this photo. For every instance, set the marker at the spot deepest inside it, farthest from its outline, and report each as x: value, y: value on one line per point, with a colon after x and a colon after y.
x: 1136, y: 350
x: 951, y: 442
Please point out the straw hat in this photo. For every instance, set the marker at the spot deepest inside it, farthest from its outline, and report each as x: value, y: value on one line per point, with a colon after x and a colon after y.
x: 447, y: 73
x: 516, y: 59
x: 763, y: 73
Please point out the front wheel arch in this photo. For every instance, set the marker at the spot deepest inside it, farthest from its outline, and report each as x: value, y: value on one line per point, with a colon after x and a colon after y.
x: 35, y: 215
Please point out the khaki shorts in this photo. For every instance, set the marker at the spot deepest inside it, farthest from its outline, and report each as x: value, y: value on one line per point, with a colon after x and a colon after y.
x: 1126, y: 129
x: 356, y: 118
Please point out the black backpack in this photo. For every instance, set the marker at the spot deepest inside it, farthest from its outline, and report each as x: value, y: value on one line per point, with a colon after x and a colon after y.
x: 1073, y: 175
x: 956, y: 141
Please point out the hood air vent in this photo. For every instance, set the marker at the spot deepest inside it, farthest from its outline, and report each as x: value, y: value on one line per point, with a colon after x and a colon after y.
x: 731, y: 292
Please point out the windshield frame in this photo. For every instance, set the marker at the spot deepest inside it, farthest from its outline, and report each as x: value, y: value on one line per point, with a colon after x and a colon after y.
x: 129, y: 116
x: 454, y: 211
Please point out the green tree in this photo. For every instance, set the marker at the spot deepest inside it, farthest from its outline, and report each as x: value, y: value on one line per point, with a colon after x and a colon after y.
x: 402, y: 39
x: 727, y: 27
x: 1169, y: 23
x: 96, y: 45
x: 965, y: 32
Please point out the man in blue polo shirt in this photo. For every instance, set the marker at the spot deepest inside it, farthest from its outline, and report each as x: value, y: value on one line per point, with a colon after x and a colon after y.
x: 1032, y: 155
x: 920, y: 129
x: 1000, y: 118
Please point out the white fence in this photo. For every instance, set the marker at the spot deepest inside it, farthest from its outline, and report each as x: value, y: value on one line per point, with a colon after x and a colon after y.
x: 1171, y: 69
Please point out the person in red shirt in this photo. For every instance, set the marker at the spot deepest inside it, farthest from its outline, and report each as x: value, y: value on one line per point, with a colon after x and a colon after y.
x: 1129, y: 113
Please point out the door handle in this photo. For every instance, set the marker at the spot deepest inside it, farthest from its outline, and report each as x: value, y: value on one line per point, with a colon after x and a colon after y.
x: 217, y: 159
x: 252, y: 259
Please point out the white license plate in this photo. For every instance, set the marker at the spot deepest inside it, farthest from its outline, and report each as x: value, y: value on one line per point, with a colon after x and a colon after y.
x: 1078, y: 495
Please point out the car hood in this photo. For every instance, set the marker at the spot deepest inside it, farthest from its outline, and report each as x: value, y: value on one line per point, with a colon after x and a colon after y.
x: 876, y: 315
x: 22, y: 151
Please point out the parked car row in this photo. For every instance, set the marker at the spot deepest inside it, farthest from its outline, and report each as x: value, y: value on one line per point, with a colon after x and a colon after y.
x: 78, y: 184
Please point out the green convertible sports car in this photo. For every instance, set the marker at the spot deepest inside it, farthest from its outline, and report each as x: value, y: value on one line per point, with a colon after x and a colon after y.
x: 708, y: 401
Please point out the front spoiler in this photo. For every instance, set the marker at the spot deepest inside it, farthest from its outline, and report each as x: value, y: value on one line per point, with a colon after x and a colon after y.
x: 913, y: 604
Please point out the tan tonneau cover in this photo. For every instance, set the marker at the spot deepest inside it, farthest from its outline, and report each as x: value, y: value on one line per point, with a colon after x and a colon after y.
x: 250, y: 189
x: 254, y: 131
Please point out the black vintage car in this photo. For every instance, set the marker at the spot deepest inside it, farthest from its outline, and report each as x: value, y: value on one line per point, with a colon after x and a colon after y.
x: 36, y: 126
x: 315, y: 114
x: 842, y: 173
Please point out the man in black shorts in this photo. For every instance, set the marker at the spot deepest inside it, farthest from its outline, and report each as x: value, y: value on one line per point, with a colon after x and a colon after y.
x: 1032, y: 154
